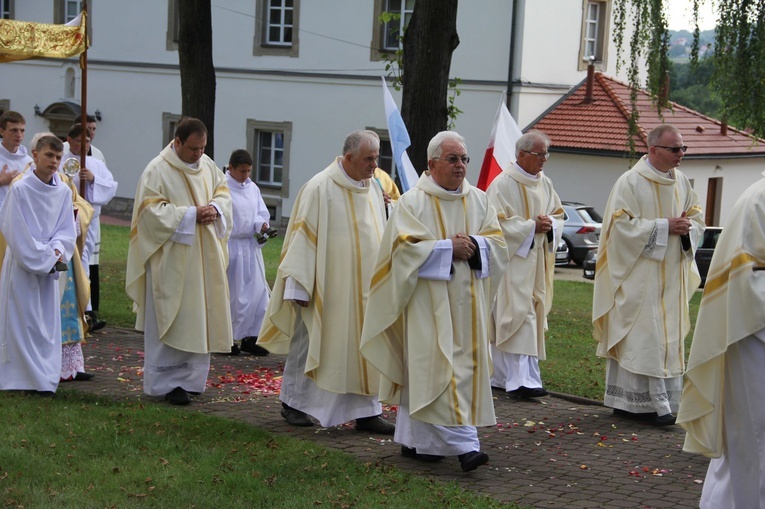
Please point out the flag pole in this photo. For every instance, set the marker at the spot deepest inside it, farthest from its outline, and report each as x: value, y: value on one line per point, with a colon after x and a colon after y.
x: 84, y: 99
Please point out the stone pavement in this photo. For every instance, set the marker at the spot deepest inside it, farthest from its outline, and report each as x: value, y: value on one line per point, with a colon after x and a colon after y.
x: 559, y: 452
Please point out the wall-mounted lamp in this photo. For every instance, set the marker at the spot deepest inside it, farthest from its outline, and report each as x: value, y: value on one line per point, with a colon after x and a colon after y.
x: 37, y: 111
x: 98, y: 115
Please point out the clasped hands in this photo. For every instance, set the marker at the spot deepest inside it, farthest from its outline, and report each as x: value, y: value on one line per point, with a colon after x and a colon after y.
x: 462, y: 247
x: 206, y: 214
x: 680, y: 225
x: 543, y: 224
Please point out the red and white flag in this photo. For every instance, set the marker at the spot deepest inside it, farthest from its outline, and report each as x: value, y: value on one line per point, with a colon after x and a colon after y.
x: 500, y: 153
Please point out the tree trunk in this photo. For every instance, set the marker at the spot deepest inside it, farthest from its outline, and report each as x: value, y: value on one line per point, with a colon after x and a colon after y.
x: 429, y: 41
x: 196, y: 62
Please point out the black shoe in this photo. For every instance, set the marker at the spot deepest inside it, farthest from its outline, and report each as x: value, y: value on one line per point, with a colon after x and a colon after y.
x: 94, y: 324
x: 642, y: 417
x: 295, y: 417
x: 375, y: 424
x: 411, y: 452
x: 526, y: 393
x: 178, y: 397
x: 46, y: 394
x: 235, y: 349
x: 663, y: 420
x: 81, y: 376
x: 249, y: 346
x: 472, y: 460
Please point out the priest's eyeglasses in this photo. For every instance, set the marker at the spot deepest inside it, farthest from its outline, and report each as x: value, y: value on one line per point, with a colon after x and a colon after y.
x: 453, y: 159
x: 674, y: 150
x: 543, y: 155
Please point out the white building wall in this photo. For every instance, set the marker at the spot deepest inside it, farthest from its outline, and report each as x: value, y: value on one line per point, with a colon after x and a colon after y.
x: 589, y: 179
x: 133, y: 79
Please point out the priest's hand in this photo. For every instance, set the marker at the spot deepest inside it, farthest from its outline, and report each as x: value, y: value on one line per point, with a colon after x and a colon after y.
x: 6, y: 176
x: 386, y: 198
x: 462, y: 247
x: 206, y: 214
x: 680, y: 225
x: 87, y: 175
x: 543, y: 224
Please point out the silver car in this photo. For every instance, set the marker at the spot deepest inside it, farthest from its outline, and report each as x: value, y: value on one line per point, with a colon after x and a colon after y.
x: 581, y: 229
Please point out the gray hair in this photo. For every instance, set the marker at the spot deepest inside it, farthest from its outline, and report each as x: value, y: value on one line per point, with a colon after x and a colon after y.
x: 357, y: 139
x: 526, y: 142
x: 434, y: 147
x: 36, y: 138
x: 657, y: 132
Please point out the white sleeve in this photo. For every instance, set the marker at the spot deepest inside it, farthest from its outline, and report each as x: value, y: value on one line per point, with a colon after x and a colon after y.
x: 220, y: 224
x: 438, y: 265
x: 657, y: 242
x: 295, y: 291
x: 184, y: 234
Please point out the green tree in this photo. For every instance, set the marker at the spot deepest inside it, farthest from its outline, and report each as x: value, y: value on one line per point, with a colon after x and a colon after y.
x: 429, y: 41
x: 196, y: 63
x: 739, y: 59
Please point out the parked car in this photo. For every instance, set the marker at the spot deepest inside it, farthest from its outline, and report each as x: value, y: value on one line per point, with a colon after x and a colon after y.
x: 706, y: 249
x: 588, y: 265
x: 581, y: 229
x: 704, y: 253
x: 561, y: 254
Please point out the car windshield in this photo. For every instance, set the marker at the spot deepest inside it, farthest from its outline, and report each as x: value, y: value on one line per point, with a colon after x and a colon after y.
x: 589, y: 215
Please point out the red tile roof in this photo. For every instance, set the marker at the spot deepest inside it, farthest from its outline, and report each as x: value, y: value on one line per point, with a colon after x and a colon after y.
x: 602, y: 125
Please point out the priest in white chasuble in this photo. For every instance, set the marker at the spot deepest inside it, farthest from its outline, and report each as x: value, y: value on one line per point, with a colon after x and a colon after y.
x: 722, y: 406
x: 37, y: 222
x: 427, y: 323
x: 644, y: 278
x: 316, y: 312
x: 531, y: 216
x: 176, y: 267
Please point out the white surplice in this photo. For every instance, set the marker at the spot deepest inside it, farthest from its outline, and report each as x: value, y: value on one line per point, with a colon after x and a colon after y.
x: 15, y: 161
x: 36, y: 219
x: 246, y: 271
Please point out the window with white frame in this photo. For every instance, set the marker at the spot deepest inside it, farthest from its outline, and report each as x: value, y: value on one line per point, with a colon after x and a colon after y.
x: 169, y: 124
x: 270, y: 158
x: 65, y: 11
x: 277, y: 27
x: 596, y: 20
x: 392, y: 30
x: 6, y: 9
x: 386, y: 35
x: 269, y: 144
x: 279, y: 23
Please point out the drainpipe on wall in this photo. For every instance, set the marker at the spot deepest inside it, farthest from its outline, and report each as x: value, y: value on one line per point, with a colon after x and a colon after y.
x: 511, y: 60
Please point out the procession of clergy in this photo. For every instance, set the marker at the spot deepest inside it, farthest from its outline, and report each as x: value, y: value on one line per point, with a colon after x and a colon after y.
x: 425, y: 300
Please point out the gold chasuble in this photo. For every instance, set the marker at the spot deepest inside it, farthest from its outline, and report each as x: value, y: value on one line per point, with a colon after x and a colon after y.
x: 528, y: 281
x: 329, y: 247
x: 428, y: 335
x: 189, y: 282
x: 640, y: 305
x: 731, y: 310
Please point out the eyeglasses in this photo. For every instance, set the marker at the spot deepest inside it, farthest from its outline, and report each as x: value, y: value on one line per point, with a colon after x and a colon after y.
x: 543, y: 155
x: 453, y: 159
x: 674, y: 150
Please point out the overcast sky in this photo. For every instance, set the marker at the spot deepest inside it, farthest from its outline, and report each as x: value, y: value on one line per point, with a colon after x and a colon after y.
x: 679, y: 15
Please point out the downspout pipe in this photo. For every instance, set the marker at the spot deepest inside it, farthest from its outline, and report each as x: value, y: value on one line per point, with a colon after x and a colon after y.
x: 511, y: 59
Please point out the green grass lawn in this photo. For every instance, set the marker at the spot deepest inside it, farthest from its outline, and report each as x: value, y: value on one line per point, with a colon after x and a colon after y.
x: 92, y: 452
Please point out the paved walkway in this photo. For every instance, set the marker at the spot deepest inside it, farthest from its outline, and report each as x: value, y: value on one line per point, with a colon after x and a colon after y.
x: 558, y: 452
